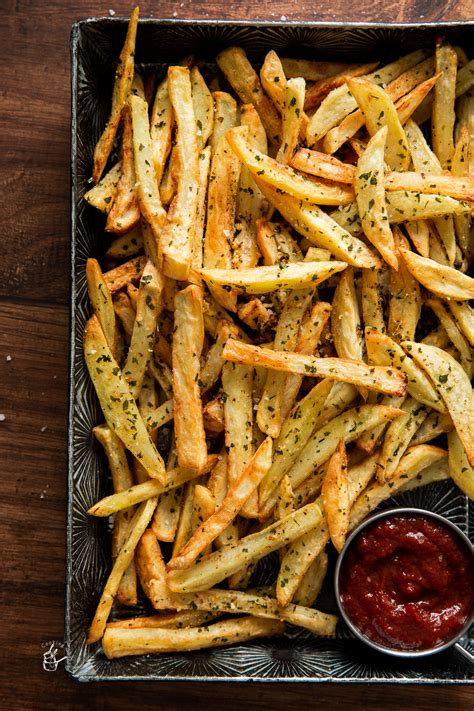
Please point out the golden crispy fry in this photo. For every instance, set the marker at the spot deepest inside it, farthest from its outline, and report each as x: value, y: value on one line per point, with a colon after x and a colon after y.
x: 292, y: 116
x: 161, y: 129
x: 459, y: 188
x: 461, y: 472
x: 462, y: 164
x: 149, y: 561
x: 126, y: 245
x: 321, y: 88
x: 165, y: 620
x: 237, y: 383
x: 397, y: 438
x: 383, y: 350
x: 370, y: 196
x: 183, y: 534
x: 177, y: 234
x: 318, y: 227
x: 225, y: 117
x: 346, y: 325
x: 464, y: 316
x: 442, y: 280
x: 273, y: 79
x: 125, y: 213
x: 101, y: 300
x: 147, y: 186
x: 117, y: 402
x: 228, y: 560
x: 276, y: 244
x: 203, y: 104
x: 138, y: 525
x: 404, y: 298
x: 444, y: 116
x: 419, y: 233
x: 198, y: 241
x: 323, y: 166
x: 435, y: 424
x: 335, y: 496
x: 160, y: 416
x: 260, y: 280
x: 238, y: 493
x: 241, y: 76
x: 204, y: 506
x: 312, y: 582
x: 187, y: 348
x: 282, y: 177
x: 167, y: 512
x: 372, y: 299
x: 379, y: 379
x: 453, y: 385
x: 102, y: 195
x: 122, y: 86
x: 451, y: 328
x: 125, y: 642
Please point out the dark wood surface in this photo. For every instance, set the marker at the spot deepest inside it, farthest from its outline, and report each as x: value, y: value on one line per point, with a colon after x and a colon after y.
x: 34, y: 286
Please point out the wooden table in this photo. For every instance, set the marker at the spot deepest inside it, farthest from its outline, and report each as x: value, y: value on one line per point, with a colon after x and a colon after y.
x: 34, y: 290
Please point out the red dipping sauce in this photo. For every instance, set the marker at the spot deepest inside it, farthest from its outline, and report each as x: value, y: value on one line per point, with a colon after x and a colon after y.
x: 406, y: 582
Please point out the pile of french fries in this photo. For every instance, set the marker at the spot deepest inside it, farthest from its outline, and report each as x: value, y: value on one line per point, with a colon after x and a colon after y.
x: 284, y: 311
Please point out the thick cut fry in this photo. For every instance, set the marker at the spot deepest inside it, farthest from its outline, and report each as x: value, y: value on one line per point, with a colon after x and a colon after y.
x: 160, y: 416
x: 312, y: 582
x: 165, y: 620
x: 125, y: 213
x: 273, y: 79
x: 320, y: 229
x: 464, y: 316
x: 242, y: 77
x: 462, y: 165
x: 228, y: 560
x: 161, y: 128
x: 415, y: 460
x: 379, y: 110
x: 292, y: 116
x: 122, y: 86
x: 383, y: 350
x: 204, y: 506
x: 276, y: 244
x: 166, y: 517
x: 198, y: 242
x: 237, y: 381
x: 237, y: 495
x: 372, y: 299
x: 102, y: 195
x: 185, y: 527
x: 117, y: 402
x: 453, y: 385
x: 443, y: 117
x: 260, y: 280
x: 348, y: 427
x: 442, y: 280
x: 128, y: 642
x: 143, y: 335
x: 177, y: 234
x: 398, y: 437
x: 323, y: 166
x: 404, y: 306
x: 138, y: 525
x: 346, y: 326
x: 435, y: 424
x: 456, y: 187
x: 281, y: 177
x: 321, y: 88
x: 203, y: 104
x: 370, y: 196
x: 127, y: 245
x: 151, y: 567
x: 225, y: 117
x: 386, y: 380
x: 335, y: 496
x: 419, y: 233
x: 251, y: 204
x: 461, y: 472
x: 101, y: 300
x: 451, y: 328
x: 188, y: 340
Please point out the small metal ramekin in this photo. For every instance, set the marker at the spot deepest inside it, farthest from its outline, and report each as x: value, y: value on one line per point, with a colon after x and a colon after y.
x: 375, y: 645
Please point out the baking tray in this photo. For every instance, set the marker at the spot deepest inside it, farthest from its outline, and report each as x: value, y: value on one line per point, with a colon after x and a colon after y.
x: 297, y: 656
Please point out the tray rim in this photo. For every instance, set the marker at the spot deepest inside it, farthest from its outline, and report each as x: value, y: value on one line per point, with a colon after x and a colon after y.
x: 73, y: 47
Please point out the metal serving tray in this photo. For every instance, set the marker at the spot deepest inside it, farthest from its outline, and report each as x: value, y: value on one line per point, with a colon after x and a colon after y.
x: 95, y: 46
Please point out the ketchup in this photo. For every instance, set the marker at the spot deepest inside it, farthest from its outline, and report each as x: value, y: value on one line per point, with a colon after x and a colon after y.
x: 406, y: 582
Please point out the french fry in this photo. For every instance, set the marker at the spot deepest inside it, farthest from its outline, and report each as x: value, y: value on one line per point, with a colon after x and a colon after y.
x: 281, y: 177
x: 442, y: 280
x: 203, y: 104
x: 160, y: 416
x: 126, y: 313
x: 443, y: 116
x: 323, y: 231
x: 414, y: 461
x: 292, y: 116
x: 237, y: 383
x: 454, y: 333
x: 452, y: 384
x: 102, y: 195
x: 101, y: 300
x: 211, y: 370
x: 379, y: 111
x: 346, y: 325
x: 456, y: 187
x: 464, y: 316
x: 273, y: 79
x: 404, y: 306
x: 237, y: 494
x: 228, y: 560
x: 251, y: 205
x: 383, y: 350
x: 372, y: 299
x: 125, y: 642
x: 213, y: 416
x: 143, y: 334
x: 165, y: 620
x: 397, y: 438
x: 225, y: 117
x: 370, y: 196
x: 187, y: 348
x: 321, y: 88
x: 322, y: 166
x: 419, y: 233
x: 261, y: 280
x: 435, y: 424
x: 384, y: 380
x: 138, y: 525
x: 463, y: 157
x: 127, y: 245
x: 276, y: 244
x: 312, y: 582
x: 117, y: 402
x: 177, y: 234
x: 166, y: 516
x: 150, y: 565
x: 183, y: 533
x: 198, y: 241
x: 311, y: 70
x: 161, y: 128
x: 335, y: 496
x: 204, y: 506
x: 461, y: 472
x: 122, y: 86
x: 464, y: 78
x: 125, y: 213
x: 241, y: 76
x: 369, y: 439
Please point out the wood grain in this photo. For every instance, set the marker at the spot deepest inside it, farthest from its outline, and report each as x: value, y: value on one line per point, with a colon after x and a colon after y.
x: 34, y: 288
